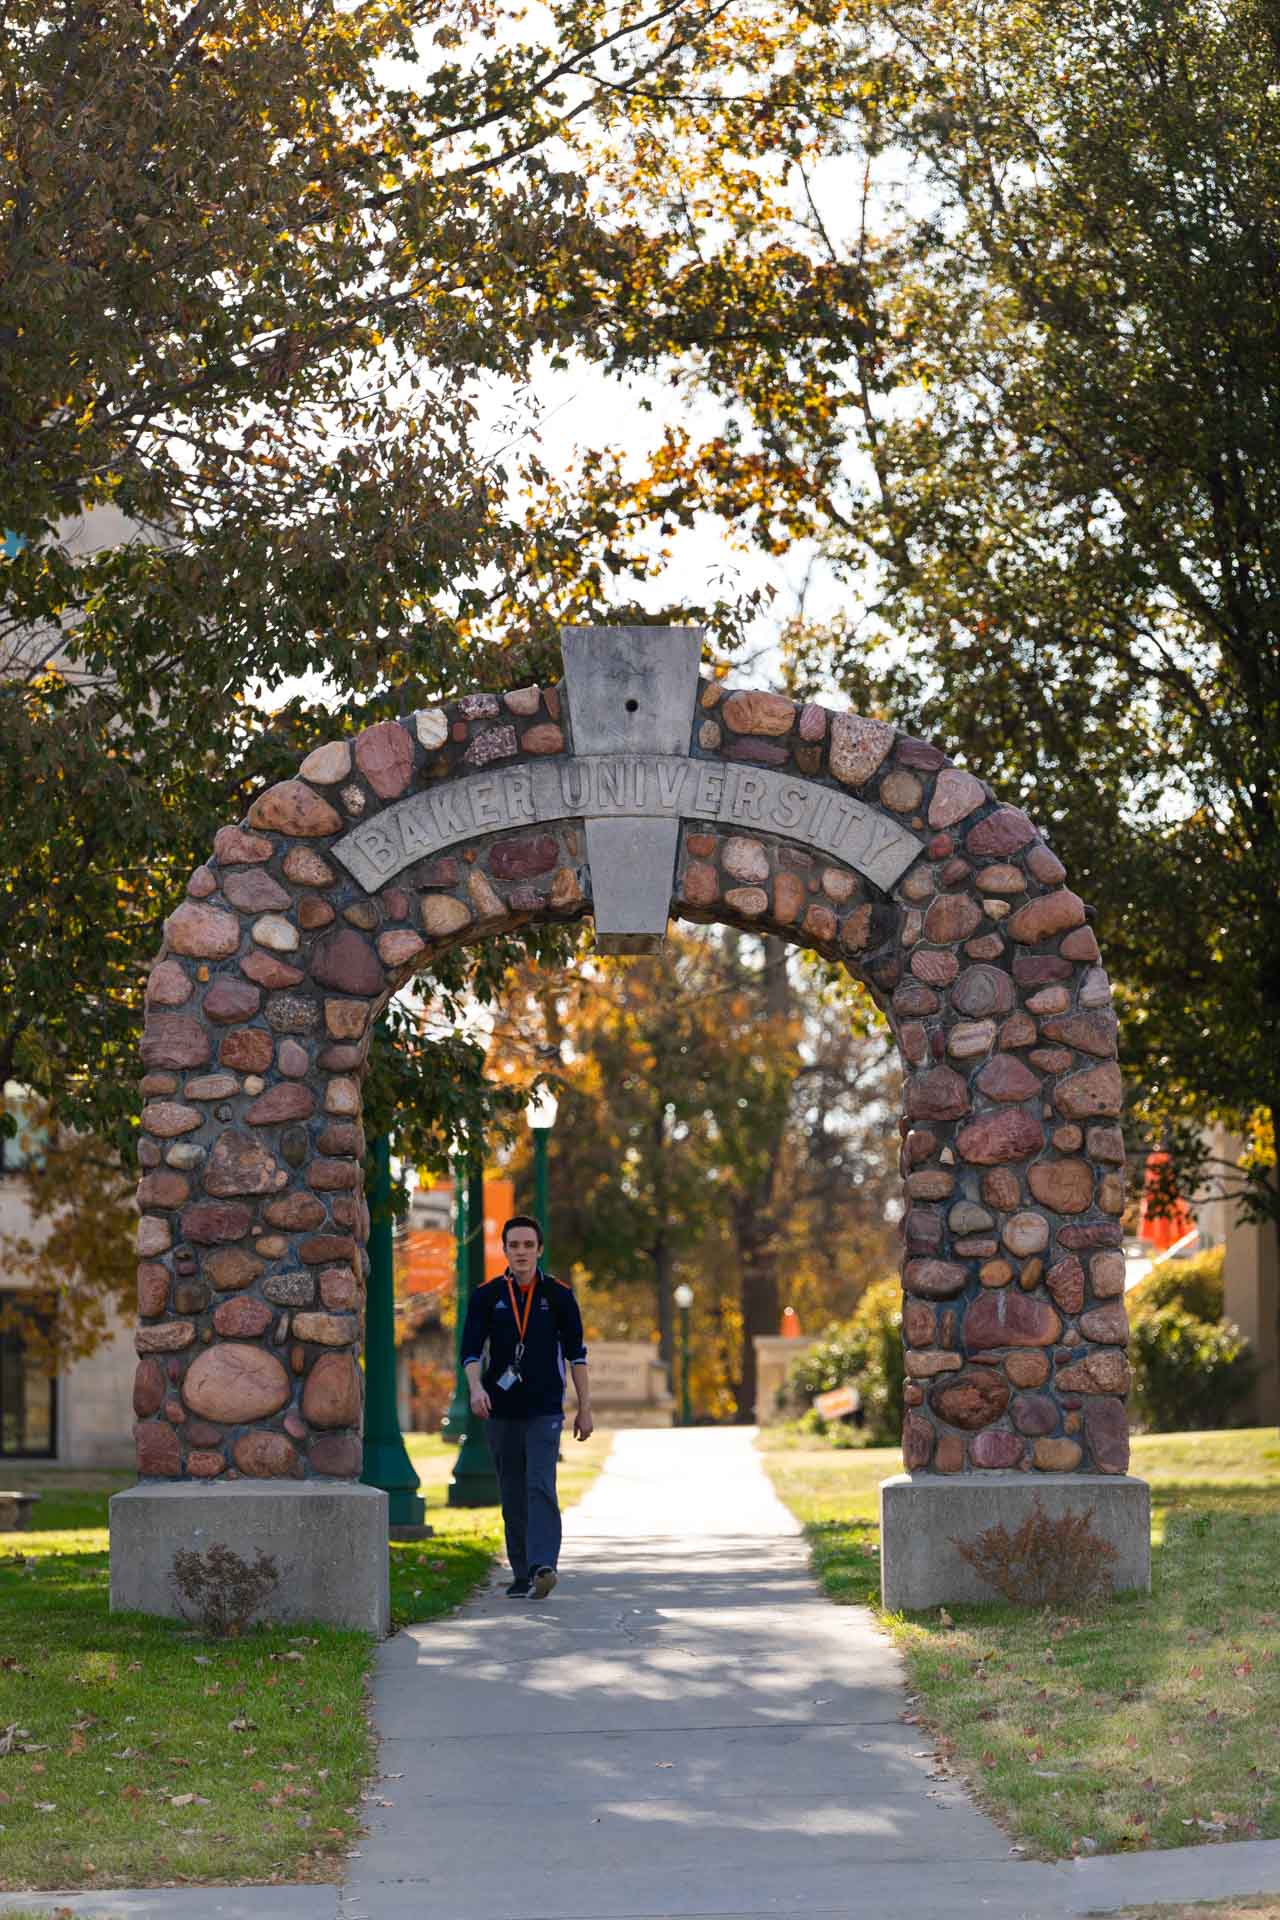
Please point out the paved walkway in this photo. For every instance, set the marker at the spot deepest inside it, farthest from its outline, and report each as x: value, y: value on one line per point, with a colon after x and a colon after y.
x: 686, y: 1730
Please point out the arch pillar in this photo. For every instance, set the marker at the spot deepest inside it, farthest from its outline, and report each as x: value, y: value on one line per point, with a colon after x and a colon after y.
x: 631, y: 778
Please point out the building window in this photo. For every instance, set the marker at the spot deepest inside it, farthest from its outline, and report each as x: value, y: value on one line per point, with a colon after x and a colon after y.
x: 28, y: 1396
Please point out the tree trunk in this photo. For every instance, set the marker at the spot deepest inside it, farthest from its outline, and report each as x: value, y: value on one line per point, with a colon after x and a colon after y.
x: 755, y: 1212
x: 758, y: 1290
x: 1275, y: 1201
x: 660, y: 1254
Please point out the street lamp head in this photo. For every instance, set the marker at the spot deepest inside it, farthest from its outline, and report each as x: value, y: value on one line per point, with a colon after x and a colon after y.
x: 683, y: 1296
x: 542, y: 1109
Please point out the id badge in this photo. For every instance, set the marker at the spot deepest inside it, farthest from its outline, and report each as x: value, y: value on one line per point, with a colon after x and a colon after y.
x: 508, y: 1380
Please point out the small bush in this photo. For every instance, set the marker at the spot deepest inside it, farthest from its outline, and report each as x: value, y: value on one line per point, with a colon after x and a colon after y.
x: 1187, y: 1372
x: 1045, y: 1563
x: 867, y: 1350
x: 221, y: 1592
x: 837, y: 1355
x: 1194, y: 1285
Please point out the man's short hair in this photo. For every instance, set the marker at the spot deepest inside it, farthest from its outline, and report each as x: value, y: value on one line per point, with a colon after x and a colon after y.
x: 522, y: 1220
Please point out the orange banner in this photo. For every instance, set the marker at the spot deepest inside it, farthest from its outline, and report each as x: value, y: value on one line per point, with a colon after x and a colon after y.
x: 1164, y: 1229
x: 427, y: 1255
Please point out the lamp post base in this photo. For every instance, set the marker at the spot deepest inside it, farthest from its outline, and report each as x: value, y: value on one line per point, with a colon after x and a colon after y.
x: 474, y: 1482
x: 387, y: 1465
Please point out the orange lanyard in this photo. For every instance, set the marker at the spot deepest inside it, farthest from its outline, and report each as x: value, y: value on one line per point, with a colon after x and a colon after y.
x: 522, y: 1324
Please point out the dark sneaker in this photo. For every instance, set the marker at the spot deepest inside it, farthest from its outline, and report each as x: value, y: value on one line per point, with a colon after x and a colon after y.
x: 518, y: 1590
x: 544, y: 1578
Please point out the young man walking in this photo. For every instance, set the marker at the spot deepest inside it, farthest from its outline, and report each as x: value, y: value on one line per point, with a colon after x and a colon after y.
x: 521, y: 1330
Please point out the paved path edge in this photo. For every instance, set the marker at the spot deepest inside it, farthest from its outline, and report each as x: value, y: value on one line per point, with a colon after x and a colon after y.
x: 1070, y: 1887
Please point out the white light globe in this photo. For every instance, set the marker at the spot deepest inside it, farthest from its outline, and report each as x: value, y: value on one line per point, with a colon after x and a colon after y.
x: 542, y: 1109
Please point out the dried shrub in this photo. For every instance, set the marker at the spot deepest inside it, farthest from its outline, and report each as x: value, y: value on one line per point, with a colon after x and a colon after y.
x: 219, y: 1591
x: 1045, y: 1563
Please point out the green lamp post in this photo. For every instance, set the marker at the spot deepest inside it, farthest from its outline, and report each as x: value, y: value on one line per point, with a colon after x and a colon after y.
x: 386, y: 1459
x: 683, y: 1297
x: 454, y: 1424
x: 541, y: 1115
x: 474, y: 1482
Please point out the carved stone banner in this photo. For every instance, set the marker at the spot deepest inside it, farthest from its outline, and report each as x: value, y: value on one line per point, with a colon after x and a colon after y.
x: 642, y: 786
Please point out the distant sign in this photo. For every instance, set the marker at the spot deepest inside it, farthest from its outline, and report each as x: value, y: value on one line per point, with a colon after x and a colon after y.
x: 838, y: 1404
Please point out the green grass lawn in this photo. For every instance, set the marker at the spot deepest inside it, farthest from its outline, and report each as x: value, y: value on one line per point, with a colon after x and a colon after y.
x: 135, y: 1753
x: 1263, y: 1908
x: 1149, y: 1723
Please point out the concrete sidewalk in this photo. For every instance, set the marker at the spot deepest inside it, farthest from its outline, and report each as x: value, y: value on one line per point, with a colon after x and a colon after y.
x: 685, y: 1730
x: 688, y: 1728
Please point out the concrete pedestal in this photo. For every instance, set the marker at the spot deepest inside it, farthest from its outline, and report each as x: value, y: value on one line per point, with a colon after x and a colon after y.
x: 923, y: 1515
x: 776, y: 1354
x: 328, y: 1538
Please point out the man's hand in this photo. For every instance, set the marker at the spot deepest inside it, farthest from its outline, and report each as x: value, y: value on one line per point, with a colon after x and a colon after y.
x: 480, y: 1405
x: 583, y: 1424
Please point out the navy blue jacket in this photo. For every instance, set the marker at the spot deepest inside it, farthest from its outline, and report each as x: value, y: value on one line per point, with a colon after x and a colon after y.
x: 553, y: 1338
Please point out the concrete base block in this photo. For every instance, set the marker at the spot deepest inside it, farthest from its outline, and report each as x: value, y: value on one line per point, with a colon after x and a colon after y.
x: 922, y: 1516
x: 328, y: 1537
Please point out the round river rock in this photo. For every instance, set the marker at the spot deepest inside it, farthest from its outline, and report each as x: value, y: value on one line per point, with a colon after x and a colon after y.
x: 233, y: 1383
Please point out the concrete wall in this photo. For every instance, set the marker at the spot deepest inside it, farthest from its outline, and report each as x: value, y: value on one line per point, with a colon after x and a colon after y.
x: 81, y: 535
x: 1251, y: 1283
x: 775, y: 1354
x: 95, y: 1406
x: 95, y: 1396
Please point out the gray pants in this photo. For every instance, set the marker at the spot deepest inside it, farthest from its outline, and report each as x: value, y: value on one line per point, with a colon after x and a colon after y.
x: 525, y: 1455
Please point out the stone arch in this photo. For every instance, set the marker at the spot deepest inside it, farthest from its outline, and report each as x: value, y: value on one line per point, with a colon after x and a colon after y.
x: 504, y: 809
